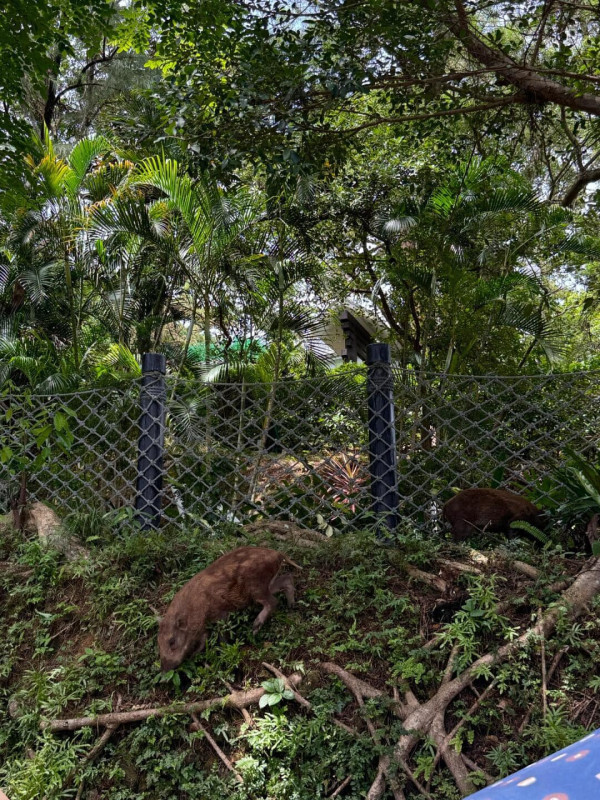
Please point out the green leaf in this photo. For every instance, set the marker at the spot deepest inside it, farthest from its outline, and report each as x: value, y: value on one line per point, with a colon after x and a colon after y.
x: 273, y: 686
x: 66, y: 439
x: 43, y: 434
x: 60, y: 421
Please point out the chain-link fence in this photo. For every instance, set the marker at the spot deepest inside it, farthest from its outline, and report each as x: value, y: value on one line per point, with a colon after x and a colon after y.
x: 310, y: 451
x: 458, y: 431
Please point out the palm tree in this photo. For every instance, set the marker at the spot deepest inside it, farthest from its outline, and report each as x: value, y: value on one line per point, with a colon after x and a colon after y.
x: 46, y: 293
x: 209, y: 222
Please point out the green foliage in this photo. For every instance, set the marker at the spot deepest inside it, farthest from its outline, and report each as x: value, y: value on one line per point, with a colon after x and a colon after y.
x: 32, y: 437
x: 43, y: 775
x: 279, y: 164
x: 275, y: 692
x: 536, y: 533
x: 477, y: 618
x: 572, y: 493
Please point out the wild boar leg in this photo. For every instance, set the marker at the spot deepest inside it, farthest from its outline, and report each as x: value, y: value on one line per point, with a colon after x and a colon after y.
x: 283, y: 583
x: 269, y: 604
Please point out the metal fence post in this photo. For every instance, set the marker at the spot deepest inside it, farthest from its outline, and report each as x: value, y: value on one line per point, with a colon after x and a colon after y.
x: 382, y: 434
x: 153, y: 395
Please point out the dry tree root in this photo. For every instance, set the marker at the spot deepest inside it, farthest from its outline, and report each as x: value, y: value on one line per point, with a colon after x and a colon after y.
x: 427, y: 719
x: 460, y: 566
x: 419, y: 719
x: 520, y: 566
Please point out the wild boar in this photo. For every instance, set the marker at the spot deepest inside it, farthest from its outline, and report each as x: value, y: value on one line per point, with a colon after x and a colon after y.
x: 490, y: 509
x: 234, y: 581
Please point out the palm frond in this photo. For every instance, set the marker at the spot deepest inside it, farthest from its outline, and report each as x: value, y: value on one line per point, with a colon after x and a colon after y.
x: 81, y: 158
x: 116, y: 364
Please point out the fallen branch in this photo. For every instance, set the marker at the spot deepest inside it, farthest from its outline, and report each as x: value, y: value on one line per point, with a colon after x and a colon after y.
x: 101, y: 743
x: 244, y: 711
x: 478, y: 557
x: 520, y: 566
x: 415, y: 781
x: 297, y: 540
x: 426, y: 577
x: 470, y: 712
x: 474, y: 766
x: 339, y: 789
x: 544, y: 680
x: 551, y: 671
x: 525, y: 569
x: 237, y: 700
x: 459, y: 566
x: 287, y: 531
x: 91, y: 756
x: 198, y: 726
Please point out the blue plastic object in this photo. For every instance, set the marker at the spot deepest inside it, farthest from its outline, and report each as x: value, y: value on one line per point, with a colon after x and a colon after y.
x: 570, y: 774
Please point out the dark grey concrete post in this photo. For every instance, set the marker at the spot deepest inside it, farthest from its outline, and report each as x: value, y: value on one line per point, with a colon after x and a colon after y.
x: 382, y: 435
x: 153, y: 396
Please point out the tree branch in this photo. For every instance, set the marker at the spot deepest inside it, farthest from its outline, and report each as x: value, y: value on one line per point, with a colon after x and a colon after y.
x: 578, y: 185
x: 198, y: 726
x: 103, y: 58
x: 517, y: 97
x: 538, y: 88
x: 236, y: 700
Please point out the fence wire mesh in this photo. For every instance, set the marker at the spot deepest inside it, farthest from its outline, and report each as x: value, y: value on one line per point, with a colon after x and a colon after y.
x: 297, y: 450
x: 506, y: 432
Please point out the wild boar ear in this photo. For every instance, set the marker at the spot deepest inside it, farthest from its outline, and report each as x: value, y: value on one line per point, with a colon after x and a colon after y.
x: 181, y: 623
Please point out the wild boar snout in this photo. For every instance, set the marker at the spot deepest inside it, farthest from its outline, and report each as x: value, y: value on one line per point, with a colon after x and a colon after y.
x: 174, y: 642
x: 167, y: 665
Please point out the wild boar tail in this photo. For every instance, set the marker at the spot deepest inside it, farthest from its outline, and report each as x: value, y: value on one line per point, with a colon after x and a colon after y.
x: 289, y: 561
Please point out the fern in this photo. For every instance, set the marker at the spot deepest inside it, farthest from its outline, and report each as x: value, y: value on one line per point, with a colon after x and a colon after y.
x: 521, y: 525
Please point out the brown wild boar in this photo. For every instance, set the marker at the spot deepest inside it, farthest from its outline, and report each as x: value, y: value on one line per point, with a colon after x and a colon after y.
x: 488, y: 509
x: 234, y: 581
